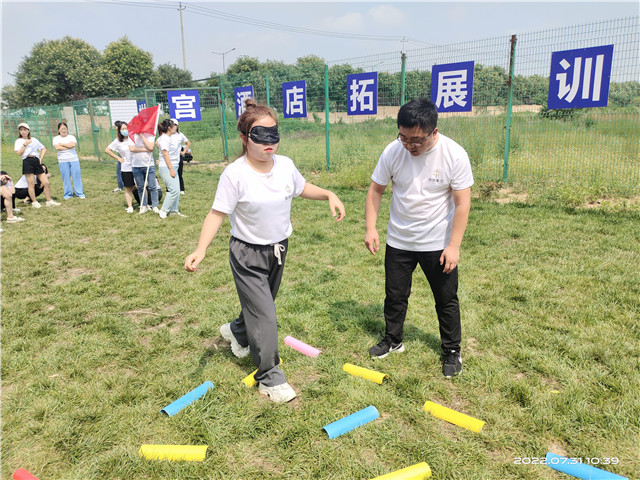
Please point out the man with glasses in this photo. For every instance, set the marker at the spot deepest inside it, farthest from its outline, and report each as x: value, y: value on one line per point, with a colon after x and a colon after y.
x: 431, y: 178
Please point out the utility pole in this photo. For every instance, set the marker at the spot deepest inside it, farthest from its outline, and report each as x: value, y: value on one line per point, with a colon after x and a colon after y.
x: 184, y: 56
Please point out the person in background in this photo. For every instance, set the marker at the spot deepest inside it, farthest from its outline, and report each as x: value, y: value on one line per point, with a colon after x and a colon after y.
x: 143, y: 168
x: 183, y: 145
x: 256, y: 192
x: 120, y: 145
x: 32, y: 153
x: 68, y: 162
x: 430, y: 201
x: 22, y: 186
x: 8, y: 191
x: 168, y: 164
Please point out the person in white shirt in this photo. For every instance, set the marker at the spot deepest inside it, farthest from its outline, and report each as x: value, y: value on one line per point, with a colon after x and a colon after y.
x: 32, y: 153
x: 167, y: 167
x: 144, y: 170
x: 120, y: 146
x: 431, y: 178
x: 68, y: 162
x: 255, y: 192
x: 184, y: 145
x: 7, y: 197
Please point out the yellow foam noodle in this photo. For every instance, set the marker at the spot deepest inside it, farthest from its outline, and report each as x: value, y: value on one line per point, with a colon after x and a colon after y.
x: 365, y: 373
x: 419, y: 471
x: 188, y: 453
x: 451, y: 416
x: 250, y: 381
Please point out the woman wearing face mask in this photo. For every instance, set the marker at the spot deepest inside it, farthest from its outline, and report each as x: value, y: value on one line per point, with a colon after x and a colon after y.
x: 121, y: 146
x: 32, y: 153
x: 68, y: 162
x: 255, y: 192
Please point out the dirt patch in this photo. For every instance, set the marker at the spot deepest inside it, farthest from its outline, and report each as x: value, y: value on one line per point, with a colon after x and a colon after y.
x: 507, y: 195
x: 558, y: 449
x: 84, y: 240
x: 617, y: 203
x: 147, y: 253
x: 73, y: 273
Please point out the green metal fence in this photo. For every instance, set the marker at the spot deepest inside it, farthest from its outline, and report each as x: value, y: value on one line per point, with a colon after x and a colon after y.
x: 510, y: 134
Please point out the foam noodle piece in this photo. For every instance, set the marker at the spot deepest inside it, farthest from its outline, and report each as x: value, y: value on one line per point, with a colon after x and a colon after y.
x: 250, y: 381
x: 188, y: 453
x: 451, y: 416
x: 302, y: 347
x: 187, y: 399
x: 419, y: 471
x: 354, y: 420
x: 579, y: 470
x: 365, y: 373
x: 22, y: 474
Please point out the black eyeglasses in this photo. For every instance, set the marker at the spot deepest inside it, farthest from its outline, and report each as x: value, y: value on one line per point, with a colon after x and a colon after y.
x: 418, y: 143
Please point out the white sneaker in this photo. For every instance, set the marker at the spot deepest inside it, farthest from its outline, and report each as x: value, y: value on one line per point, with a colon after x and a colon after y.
x: 52, y: 203
x: 237, y: 349
x: 156, y: 210
x: 36, y: 204
x: 15, y: 219
x: 116, y: 190
x: 129, y: 209
x: 16, y: 210
x: 144, y: 209
x: 182, y: 192
x: 173, y: 213
x: 162, y: 214
x: 278, y: 394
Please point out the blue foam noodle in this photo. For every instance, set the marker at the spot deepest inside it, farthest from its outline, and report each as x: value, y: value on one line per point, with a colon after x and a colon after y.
x: 354, y: 420
x: 578, y: 469
x: 187, y: 399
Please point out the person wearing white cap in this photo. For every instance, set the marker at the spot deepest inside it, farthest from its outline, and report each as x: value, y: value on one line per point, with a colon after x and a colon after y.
x: 167, y: 166
x: 179, y: 139
x: 32, y: 153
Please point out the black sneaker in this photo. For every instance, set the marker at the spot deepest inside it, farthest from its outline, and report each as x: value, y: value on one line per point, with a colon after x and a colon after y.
x: 384, y: 348
x: 451, y: 363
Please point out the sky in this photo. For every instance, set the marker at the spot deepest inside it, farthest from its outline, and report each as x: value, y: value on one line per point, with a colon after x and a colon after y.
x: 280, y: 30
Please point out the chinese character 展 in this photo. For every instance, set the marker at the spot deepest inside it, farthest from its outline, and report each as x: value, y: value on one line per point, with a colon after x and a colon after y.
x: 295, y: 99
x: 569, y: 91
x: 452, y: 88
x: 242, y: 96
x: 359, y: 94
x: 184, y: 106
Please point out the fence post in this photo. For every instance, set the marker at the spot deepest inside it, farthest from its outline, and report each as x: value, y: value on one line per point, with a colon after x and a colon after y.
x: 507, y: 134
x: 326, y: 113
x: 266, y: 84
x: 94, y: 129
x: 225, y: 152
x: 403, y: 70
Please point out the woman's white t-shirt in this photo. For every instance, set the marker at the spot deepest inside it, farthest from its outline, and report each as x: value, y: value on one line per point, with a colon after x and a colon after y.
x: 122, y: 149
x: 259, y: 204
x: 31, y: 150
x: 141, y: 159
x: 69, y: 155
x: 422, y: 208
x: 165, y: 143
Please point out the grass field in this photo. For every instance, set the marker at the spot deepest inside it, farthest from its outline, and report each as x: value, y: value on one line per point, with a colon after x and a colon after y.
x: 102, y: 328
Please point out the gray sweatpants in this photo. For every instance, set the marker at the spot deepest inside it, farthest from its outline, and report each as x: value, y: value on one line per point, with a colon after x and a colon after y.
x: 257, y: 271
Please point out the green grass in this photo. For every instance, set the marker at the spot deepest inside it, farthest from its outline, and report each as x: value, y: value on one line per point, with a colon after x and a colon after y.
x: 102, y: 328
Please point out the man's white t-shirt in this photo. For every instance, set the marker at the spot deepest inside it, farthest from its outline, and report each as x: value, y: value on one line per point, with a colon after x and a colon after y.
x: 31, y: 150
x: 421, y: 212
x: 122, y: 149
x: 69, y: 155
x: 141, y: 159
x: 259, y: 204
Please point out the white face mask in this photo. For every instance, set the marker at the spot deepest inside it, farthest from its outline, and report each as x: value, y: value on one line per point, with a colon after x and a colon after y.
x: 124, y: 133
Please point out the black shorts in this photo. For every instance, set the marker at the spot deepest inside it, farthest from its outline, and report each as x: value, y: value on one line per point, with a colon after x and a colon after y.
x: 32, y: 165
x: 127, y: 179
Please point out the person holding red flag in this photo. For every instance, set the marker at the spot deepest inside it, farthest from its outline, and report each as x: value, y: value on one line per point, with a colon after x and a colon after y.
x: 142, y: 132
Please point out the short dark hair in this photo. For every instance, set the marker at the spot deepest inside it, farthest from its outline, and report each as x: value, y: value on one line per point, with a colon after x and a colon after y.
x: 419, y: 112
x: 60, y: 124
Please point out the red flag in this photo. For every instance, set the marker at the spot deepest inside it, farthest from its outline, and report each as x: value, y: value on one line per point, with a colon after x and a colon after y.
x: 145, y: 122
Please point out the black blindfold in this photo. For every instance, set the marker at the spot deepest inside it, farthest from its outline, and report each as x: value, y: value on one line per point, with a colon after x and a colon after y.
x: 264, y: 135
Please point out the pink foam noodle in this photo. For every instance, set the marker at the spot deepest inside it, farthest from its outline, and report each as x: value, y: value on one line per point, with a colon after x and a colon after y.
x: 302, y: 347
x: 22, y: 474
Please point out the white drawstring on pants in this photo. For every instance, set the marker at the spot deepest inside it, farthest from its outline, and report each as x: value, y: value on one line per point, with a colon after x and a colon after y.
x: 277, y: 248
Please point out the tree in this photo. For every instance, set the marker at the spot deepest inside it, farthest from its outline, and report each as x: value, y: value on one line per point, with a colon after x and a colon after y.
x: 170, y: 76
x: 57, y: 71
x: 10, y: 97
x: 244, y: 64
x: 130, y: 67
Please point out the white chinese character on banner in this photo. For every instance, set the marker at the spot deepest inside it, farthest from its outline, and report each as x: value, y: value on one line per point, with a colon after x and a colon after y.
x: 295, y: 100
x: 359, y: 94
x: 241, y: 97
x: 184, y: 106
x: 452, y: 88
x: 568, y: 91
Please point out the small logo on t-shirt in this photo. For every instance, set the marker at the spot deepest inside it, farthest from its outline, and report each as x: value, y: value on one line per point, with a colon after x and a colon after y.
x: 288, y: 190
x: 435, y: 176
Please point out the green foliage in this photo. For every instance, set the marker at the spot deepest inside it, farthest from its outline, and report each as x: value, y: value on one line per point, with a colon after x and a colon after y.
x: 58, y: 71
x: 170, y: 76
x: 130, y: 66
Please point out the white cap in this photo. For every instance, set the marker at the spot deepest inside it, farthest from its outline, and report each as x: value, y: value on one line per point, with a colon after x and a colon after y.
x: 175, y: 121
x: 25, y: 125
